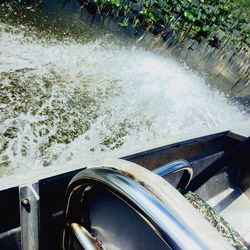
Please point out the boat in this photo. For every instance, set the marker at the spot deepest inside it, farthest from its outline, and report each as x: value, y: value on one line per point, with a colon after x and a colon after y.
x: 191, y: 193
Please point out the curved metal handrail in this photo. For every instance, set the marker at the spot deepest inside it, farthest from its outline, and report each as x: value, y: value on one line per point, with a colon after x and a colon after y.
x: 176, y: 166
x: 174, y: 232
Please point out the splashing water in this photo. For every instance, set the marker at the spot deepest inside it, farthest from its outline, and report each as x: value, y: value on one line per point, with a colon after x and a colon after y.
x: 65, y: 101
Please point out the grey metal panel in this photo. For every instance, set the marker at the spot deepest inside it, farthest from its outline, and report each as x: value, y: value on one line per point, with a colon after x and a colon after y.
x: 29, y: 216
x: 190, y: 150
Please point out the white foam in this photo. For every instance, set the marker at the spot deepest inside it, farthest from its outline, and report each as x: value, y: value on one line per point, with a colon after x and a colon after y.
x: 126, y: 95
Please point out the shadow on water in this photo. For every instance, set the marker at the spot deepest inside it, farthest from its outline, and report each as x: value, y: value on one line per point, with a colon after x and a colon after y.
x: 54, y: 19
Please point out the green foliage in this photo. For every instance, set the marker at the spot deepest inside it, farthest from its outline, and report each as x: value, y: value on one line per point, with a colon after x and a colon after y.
x: 198, y: 19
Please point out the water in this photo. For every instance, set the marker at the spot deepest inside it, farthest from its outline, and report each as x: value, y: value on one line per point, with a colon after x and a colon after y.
x: 67, y: 99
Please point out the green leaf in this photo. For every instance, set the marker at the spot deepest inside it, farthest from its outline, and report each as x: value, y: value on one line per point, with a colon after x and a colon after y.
x: 196, y: 28
x: 203, y: 16
x: 189, y: 16
x: 213, y: 19
x: 206, y: 28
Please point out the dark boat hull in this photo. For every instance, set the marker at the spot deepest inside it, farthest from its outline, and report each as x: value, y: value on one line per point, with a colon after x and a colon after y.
x: 50, y: 191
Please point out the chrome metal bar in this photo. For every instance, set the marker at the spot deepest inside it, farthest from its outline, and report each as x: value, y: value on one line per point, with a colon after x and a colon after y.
x: 176, y: 166
x: 87, y: 241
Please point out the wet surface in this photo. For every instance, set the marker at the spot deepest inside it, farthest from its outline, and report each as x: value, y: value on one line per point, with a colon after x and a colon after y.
x: 71, y: 90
